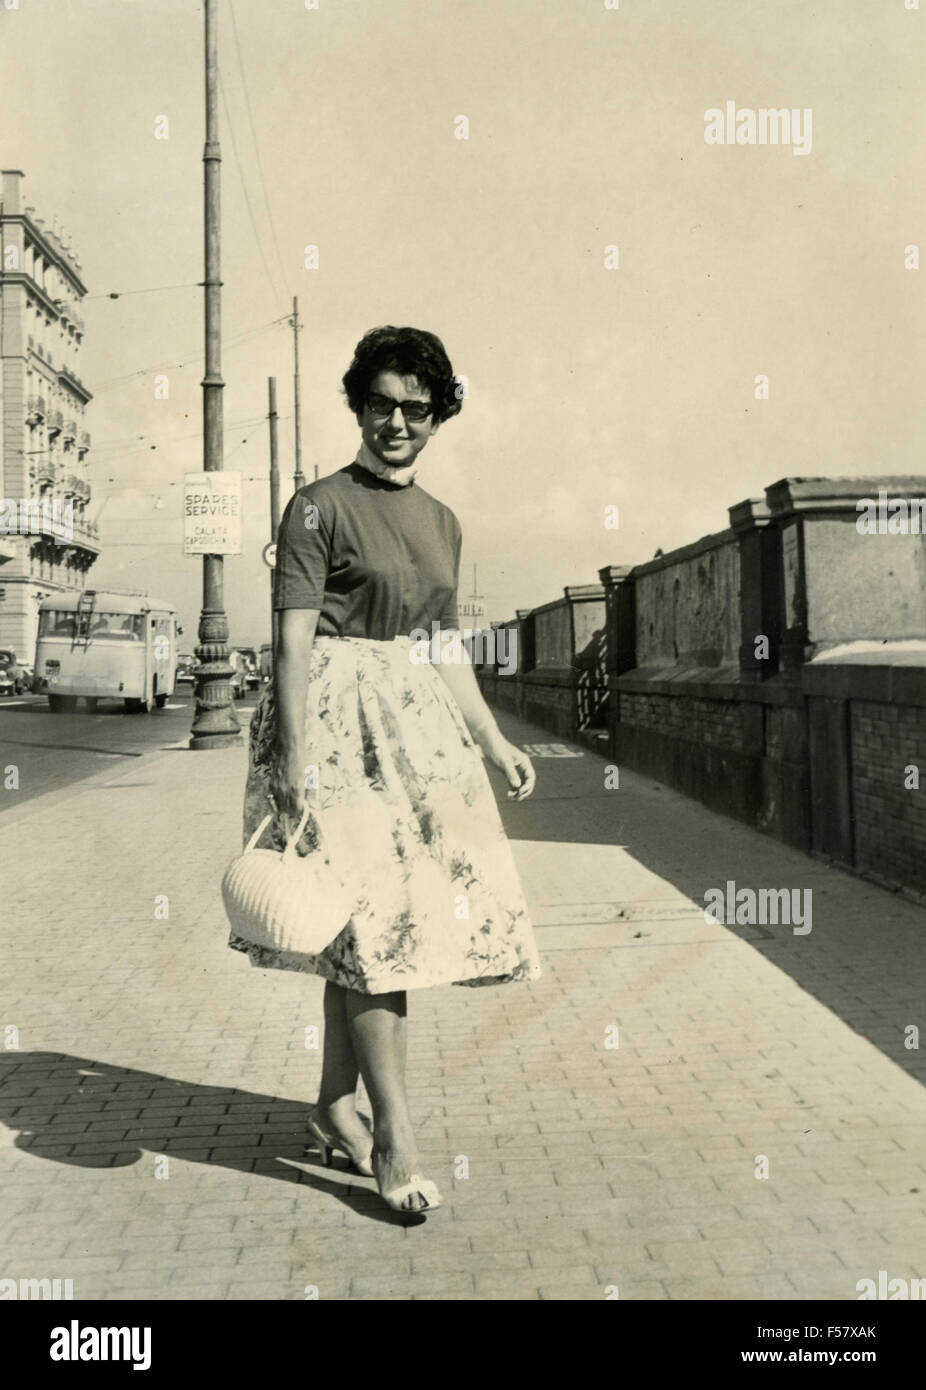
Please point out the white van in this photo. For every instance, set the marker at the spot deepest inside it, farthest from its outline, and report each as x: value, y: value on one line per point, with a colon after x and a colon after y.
x: 106, y: 644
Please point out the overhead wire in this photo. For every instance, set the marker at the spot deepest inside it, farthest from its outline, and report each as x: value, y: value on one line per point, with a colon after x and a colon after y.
x: 141, y: 440
x: 260, y: 166
x: 244, y: 188
x: 152, y: 289
x: 191, y: 359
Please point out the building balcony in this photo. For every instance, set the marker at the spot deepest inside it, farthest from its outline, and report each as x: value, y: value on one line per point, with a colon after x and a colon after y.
x: 86, y: 536
x: 55, y: 422
x: 83, y: 443
x: 35, y: 410
x: 45, y: 472
x: 72, y: 486
x: 73, y: 383
x: 53, y: 526
x: 69, y: 433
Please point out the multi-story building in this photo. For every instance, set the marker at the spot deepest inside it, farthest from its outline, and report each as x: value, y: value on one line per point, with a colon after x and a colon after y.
x: 47, y: 543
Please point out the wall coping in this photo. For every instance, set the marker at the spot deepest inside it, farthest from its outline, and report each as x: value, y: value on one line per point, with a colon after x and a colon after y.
x: 901, y: 683
x: 715, y: 683
x: 572, y: 594
x: 578, y: 593
x: 749, y: 515
x: 685, y: 552
x: 614, y: 574
x: 548, y: 607
x: 838, y: 496
x: 547, y: 675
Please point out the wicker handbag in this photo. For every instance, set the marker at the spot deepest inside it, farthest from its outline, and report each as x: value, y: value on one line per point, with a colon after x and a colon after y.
x: 283, y: 900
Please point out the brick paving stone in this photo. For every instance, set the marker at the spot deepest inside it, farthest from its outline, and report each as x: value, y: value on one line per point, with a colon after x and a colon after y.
x: 504, y: 1284
x: 661, y: 1230
x: 683, y: 1257
x: 641, y: 1290
x: 532, y: 1239
x: 449, y: 1261
x: 568, y: 1279
x: 760, y: 1287
x: 450, y: 1283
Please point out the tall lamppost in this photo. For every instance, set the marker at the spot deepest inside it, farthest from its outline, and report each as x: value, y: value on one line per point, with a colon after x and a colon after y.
x: 214, y: 722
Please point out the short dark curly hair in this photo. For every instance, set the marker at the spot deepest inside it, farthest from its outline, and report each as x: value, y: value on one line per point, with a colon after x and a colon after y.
x: 408, y: 352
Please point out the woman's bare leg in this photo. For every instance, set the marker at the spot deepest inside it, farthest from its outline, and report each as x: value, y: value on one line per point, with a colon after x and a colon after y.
x: 337, y: 1095
x: 378, y: 1033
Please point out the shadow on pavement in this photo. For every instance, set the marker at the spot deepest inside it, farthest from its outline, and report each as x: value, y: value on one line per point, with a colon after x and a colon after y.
x: 119, y: 1114
x: 865, y: 957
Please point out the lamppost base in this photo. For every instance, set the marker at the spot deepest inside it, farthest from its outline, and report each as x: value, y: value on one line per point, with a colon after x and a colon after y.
x: 230, y: 740
x: 215, y: 724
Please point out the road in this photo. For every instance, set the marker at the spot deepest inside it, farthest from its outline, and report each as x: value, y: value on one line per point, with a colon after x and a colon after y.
x: 52, y: 751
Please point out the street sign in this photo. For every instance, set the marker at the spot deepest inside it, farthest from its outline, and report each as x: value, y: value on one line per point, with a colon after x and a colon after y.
x: 269, y: 554
x: 212, y: 513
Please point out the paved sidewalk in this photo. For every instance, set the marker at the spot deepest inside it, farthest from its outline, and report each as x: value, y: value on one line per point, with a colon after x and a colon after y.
x: 590, y: 1166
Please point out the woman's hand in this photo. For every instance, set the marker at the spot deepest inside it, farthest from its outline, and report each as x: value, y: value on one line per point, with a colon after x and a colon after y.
x: 458, y: 676
x: 512, y: 761
x: 287, y: 787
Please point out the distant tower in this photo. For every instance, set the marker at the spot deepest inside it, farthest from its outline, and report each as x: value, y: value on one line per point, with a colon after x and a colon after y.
x: 473, y: 611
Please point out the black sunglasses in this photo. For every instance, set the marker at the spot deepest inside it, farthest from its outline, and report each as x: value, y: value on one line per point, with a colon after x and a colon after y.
x: 384, y: 406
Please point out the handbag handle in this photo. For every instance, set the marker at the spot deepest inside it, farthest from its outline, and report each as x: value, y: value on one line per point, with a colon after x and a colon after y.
x: 291, y: 843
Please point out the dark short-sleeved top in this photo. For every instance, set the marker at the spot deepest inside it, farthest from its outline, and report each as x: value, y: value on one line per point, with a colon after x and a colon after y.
x: 378, y: 559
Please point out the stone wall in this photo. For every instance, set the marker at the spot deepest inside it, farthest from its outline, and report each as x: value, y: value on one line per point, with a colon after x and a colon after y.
x: 776, y: 671
x: 687, y: 606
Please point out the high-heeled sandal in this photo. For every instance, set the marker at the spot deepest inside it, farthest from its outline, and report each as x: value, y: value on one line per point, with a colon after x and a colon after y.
x: 327, y: 1143
x: 397, y: 1197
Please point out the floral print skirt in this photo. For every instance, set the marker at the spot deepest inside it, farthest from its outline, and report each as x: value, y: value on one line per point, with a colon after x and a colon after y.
x: 405, y: 813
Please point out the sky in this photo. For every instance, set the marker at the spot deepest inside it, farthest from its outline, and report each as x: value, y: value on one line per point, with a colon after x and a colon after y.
x: 589, y: 387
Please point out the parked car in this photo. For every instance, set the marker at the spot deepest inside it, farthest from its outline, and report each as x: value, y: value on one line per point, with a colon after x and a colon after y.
x: 186, y: 668
x: 15, y: 677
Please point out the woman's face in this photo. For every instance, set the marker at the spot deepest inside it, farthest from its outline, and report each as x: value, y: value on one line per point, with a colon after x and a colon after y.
x: 388, y: 434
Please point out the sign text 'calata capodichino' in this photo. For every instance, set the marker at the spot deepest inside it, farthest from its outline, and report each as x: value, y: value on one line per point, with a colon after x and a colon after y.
x: 212, y: 513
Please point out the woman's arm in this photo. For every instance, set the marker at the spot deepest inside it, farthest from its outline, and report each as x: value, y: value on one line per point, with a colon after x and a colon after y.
x: 295, y: 634
x: 456, y: 670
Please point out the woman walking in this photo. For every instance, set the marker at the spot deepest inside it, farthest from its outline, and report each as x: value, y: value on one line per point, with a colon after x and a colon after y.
x: 380, y: 735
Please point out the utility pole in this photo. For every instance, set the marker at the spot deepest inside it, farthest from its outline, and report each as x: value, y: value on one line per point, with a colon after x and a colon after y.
x: 274, y: 467
x: 214, y: 722
x: 298, y: 476
x: 274, y: 494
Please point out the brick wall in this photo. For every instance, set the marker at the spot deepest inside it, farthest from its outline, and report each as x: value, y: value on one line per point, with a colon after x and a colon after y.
x: 718, y: 722
x: 774, y: 733
x: 890, y: 820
